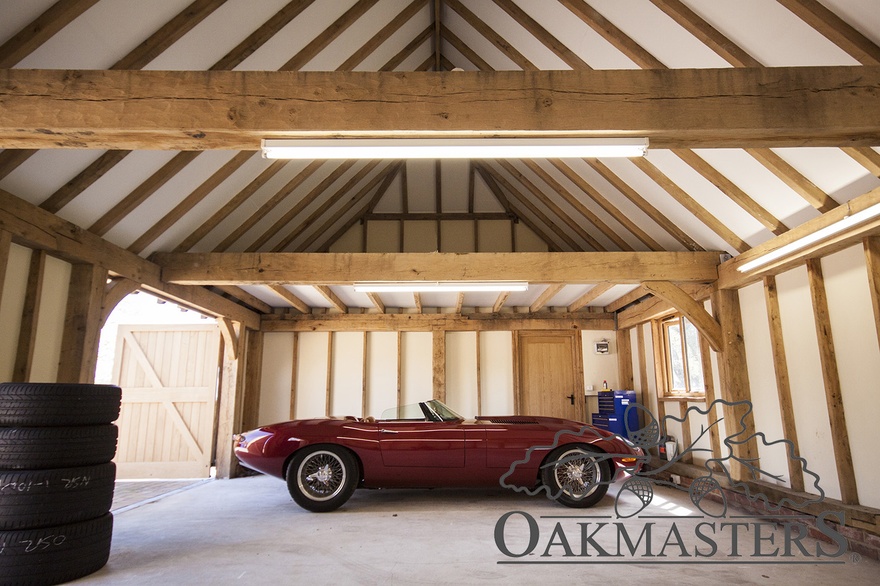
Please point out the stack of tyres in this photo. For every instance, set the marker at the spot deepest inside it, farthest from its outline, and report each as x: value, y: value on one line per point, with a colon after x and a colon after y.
x: 56, y: 480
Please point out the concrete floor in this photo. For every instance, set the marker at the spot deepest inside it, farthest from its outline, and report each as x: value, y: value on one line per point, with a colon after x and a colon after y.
x: 249, y: 531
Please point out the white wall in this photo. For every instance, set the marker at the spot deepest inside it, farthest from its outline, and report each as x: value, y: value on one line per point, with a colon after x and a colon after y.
x: 275, y: 385
x: 50, y: 320
x: 805, y: 373
x: 496, y: 373
x: 50, y: 323
x: 380, y: 355
x: 858, y: 361
x: 461, y: 372
x: 599, y: 368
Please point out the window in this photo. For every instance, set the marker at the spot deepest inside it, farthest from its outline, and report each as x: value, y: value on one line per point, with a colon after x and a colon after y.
x: 684, y: 362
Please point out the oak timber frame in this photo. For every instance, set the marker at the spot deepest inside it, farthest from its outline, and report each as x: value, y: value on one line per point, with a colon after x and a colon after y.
x: 833, y: 103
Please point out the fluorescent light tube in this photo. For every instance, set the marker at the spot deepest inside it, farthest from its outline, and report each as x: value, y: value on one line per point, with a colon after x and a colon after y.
x: 817, y: 236
x: 439, y: 287
x: 453, y: 148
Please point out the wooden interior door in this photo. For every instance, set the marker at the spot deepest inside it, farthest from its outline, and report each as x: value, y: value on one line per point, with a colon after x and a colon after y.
x: 550, y: 373
x: 168, y: 376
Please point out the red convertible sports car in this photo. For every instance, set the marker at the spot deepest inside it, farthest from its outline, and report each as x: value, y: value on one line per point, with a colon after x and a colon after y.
x: 428, y: 445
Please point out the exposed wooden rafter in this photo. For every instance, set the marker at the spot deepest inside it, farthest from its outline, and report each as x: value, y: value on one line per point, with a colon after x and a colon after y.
x: 594, y: 293
x: 544, y: 298
x: 689, y: 203
x: 331, y: 297
x: 383, y: 179
x: 574, y: 202
x: 555, y: 209
x: 291, y: 298
x: 491, y: 35
x: 606, y: 205
x: 835, y: 29
x: 543, y: 35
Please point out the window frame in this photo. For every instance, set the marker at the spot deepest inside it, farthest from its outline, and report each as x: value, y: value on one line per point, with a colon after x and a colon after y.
x: 664, y: 324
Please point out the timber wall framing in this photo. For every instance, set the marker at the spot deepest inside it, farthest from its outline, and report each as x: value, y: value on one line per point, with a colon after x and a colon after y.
x: 343, y: 371
x: 812, y: 362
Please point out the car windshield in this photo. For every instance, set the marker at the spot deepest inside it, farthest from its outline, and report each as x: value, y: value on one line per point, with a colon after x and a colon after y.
x: 432, y: 410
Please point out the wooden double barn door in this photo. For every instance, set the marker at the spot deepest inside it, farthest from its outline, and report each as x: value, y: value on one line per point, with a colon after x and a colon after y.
x: 168, y: 376
x: 550, y: 374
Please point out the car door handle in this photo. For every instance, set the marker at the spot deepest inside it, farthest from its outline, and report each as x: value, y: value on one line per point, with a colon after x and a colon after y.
x: 387, y: 431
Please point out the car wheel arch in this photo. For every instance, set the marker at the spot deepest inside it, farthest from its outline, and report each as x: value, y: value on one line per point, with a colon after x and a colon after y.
x: 323, y: 444
x: 554, y: 449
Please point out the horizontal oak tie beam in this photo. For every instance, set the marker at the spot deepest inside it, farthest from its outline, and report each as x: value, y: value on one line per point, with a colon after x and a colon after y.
x: 198, y: 110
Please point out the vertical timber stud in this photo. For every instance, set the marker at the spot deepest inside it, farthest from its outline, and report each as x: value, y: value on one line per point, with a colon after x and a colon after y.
x: 399, y: 368
x: 625, y: 360
x: 686, y: 436
x: 328, y: 395
x: 30, y: 313
x: 294, y: 370
x: 439, y: 362
x: 833, y: 396
x: 643, y: 370
x: 253, y: 375
x: 517, y: 391
x: 5, y: 245
x: 479, y: 375
x: 783, y: 384
x: 579, y: 383
x: 659, y: 367
x: 365, y: 374
x: 872, y: 260
x: 231, y: 395
x: 734, y: 383
x: 709, y: 382
x: 82, y: 324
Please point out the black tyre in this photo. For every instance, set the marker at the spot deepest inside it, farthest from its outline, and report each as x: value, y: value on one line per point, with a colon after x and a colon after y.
x: 322, y: 478
x: 51, y: 404
x: 39, y: 448
x: 55, y: 554
x: 577, y: 475
x: 42, y: 498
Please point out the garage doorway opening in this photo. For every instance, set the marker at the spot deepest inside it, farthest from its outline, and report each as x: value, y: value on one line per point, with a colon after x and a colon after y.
x: 166, y: 359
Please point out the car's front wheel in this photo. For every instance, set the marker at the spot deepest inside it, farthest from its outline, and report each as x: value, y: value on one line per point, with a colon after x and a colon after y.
x: 577, y: 475
x: 322, y: 478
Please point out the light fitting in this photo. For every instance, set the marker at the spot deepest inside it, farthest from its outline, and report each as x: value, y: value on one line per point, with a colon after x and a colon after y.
x: 440, y: 287
x: 819, y: 235
x: 453, y: 148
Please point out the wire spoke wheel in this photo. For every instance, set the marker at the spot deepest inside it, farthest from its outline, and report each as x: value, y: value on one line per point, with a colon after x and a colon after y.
x: 321, y: 476
x: 577, y: 476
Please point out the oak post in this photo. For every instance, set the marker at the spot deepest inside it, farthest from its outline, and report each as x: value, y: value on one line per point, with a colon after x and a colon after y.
x: 831, y: 378
x: 734, y: 383
x: 231, y: 400
x: 82, y: 324
x: 439, y: 365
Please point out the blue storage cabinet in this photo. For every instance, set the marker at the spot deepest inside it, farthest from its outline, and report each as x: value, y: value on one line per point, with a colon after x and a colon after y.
x: 612, y: 410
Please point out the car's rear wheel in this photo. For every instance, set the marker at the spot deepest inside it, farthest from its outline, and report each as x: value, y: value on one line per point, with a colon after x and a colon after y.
x: 321, y: 478
x: 577, y: 475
